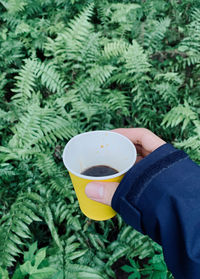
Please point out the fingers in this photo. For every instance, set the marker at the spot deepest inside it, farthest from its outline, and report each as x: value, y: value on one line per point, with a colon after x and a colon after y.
x: 134, y: 134
x: 143, y: 137
x: 141, y: 151
x: 101, y: 191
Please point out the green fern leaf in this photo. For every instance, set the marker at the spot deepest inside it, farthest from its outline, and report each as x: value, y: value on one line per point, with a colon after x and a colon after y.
x: 14, y: 6
x: 117, y: 101
x: 120, y: 11
x: 153, y: 39
x: 115, y: 49
x: 181, y: 113
x: 49, y: 220
x: 77, y: 42
x: 101, y: 73
x: 25, y: 81
x: 14, y: 228
x: 49, y: 77
x: 136, y: 59
x: 40, y: 126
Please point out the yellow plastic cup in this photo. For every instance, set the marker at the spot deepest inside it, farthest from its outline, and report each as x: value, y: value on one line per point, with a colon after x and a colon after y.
x: 97, y: 148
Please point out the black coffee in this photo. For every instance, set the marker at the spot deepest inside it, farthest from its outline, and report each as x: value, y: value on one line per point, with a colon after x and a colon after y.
x: 99, y: 170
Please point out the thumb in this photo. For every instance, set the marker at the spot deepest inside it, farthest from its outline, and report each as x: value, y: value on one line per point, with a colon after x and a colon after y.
x: 101, y: 191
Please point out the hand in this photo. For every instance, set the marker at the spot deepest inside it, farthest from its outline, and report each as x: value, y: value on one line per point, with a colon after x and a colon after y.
x: 145, y: 142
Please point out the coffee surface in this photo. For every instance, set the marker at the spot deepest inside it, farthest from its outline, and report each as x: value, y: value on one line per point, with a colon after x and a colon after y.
x: 100, y: 170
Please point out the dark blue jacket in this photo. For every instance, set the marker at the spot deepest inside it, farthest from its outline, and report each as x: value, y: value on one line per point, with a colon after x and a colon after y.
x: 160, y: 197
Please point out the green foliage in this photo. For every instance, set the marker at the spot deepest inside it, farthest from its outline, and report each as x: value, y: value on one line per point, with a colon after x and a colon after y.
x: 155, y: 269
x: 34, y: 265
x: 14, y: 226
x: 33, y: 70
x: 72, y: 66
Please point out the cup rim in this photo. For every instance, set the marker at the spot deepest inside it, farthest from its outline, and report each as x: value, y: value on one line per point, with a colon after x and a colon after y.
x: 98, y: 178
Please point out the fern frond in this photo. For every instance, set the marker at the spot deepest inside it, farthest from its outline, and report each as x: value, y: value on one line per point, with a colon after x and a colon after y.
x: 115, y: 49
x: 4, y: 273
x: 191, y: 144
x: 87, y: 109
x: 57, y: 181
x: 190, y: 44
x: 22, y: 27
x: 50, y: 78
x: 84, y: 272
x: 6, y: 170
x: 63, y: 104
x: 46, y: 165
x: 14, y: 6
x: 39, y: 127
x: 77, y: 42
x: 101, y: 73
x: 48, y: 216
x: 35, y: 7
x: 168, y: 89
x: 16, y: 153
x: 154, y: 35
x: 193, y: 59
x: 62, y: 211
x: 136, y: 60
x: 73, y: 270
x: 14, y: 228
x: 7, y: 117
x: 79, y: 27
x: 85, y: 88
x: 25, y: 81
x: 68, y: 257
x: 170, y: 77
x: 168, y: 92
x: 122, y: 16
x: 120, y: 11
x: 130, y: 243
x: 180, y: 114
x: 11, y: 53
x: 117, y: 101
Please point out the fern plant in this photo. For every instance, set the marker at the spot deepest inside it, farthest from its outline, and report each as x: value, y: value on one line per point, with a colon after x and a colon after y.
x: 154, y: 269
x: 68, y: 67
x: 14, y: 227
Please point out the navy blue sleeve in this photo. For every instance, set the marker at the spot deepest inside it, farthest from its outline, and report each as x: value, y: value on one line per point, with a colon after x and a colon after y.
x: 160, y: 197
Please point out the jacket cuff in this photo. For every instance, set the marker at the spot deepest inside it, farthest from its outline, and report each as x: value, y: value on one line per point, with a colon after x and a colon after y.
x: 137, y: 179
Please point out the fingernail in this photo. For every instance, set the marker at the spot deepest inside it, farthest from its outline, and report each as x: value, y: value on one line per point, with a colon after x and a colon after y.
x: 94, y: 191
